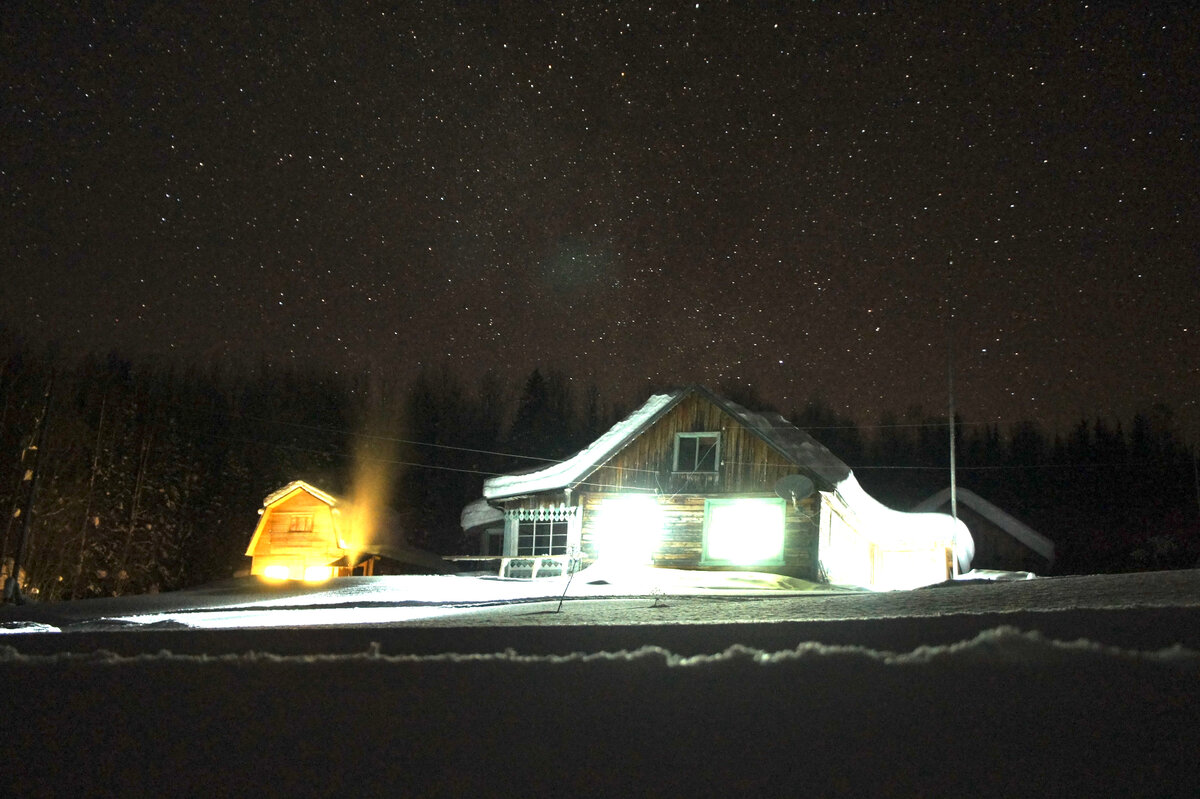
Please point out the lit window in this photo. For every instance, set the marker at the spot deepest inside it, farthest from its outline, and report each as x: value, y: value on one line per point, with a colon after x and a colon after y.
x: 532, y: 532
x: 276, y: 571
x: 697, y: 452
x: 628, y: 529
x: 743, y: 532
x: 542, y: 537
x: 315, y: 574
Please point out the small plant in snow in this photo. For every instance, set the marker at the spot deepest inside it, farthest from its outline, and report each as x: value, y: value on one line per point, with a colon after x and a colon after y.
x: 658, y: 593
x: 574, y: 555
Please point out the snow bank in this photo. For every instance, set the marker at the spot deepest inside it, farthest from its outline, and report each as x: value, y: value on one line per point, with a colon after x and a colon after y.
x: 1002, y: 644
x: 991, y: 716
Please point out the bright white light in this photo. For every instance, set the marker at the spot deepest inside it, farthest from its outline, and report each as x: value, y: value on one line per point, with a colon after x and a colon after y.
x: 316, y: 574
x: 276, y: 571
x: 744, y: 532
x: 630, y: 527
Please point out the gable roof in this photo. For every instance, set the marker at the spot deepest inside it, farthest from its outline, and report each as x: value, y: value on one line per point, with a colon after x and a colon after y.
x: 299, y: 485
x: 1014, y: 527
x: 785, y: 438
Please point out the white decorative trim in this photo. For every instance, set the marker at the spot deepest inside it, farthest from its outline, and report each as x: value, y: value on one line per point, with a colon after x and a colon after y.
x: 551, y: 514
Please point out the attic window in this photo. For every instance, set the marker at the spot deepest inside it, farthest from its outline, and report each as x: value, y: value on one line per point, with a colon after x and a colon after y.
x: 300, y: 523
x: 697, y: 452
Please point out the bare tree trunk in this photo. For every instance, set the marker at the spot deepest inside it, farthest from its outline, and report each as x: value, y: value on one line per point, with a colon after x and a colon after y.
x: 87, y: 503
x: 122, y: 570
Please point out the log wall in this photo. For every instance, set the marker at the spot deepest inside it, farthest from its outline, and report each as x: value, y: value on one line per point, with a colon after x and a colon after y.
x: 748, y: 465
x: 681, y: 544
x: 278, y: 539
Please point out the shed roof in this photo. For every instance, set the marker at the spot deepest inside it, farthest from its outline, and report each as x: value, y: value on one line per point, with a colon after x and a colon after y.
x: 1014, y: 527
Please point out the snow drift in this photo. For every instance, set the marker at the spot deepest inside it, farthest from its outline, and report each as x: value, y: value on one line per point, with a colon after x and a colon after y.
x: 997, y: 715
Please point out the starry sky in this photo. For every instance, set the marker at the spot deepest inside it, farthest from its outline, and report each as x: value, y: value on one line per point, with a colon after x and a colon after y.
x: 811, y: 199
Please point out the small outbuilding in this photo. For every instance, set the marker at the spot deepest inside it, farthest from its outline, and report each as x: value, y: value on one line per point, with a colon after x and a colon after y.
x: 1002, y: 542
x: 305, y: 533
x: 692, y: 480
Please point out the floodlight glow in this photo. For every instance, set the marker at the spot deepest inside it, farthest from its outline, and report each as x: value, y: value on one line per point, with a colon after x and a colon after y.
x: 630, y: 528
x: 276, y: 571
x: 744, y: 531
x: 316, y: 574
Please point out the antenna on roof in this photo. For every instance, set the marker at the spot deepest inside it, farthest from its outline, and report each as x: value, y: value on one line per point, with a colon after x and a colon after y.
x: 794, y: 487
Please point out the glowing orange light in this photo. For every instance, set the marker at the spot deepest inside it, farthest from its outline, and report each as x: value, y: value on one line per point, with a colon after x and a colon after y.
x: 316, y: 574
x: 276, y: 571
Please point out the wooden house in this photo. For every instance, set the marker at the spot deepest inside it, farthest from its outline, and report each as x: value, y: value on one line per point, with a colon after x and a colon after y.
x: 304, y: 533
x: 1002, y: 542
x: 691, y: 480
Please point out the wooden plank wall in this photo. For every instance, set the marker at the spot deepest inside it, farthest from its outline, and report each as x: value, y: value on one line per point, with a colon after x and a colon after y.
x: 681, y: 544
x: 277, y: 539
x: 748, y: 464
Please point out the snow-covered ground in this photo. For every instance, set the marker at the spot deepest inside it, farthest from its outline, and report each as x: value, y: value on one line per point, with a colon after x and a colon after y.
x: 668, y: 596
x: 1082, y: 686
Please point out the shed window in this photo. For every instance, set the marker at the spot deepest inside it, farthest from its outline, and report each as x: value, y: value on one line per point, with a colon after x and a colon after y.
x: 697, y: 452
x: 300, y: 523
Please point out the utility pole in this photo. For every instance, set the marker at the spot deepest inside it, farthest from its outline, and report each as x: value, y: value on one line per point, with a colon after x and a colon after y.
x: 953, y: 443
x: 12, y: 586
x: 1196, y: 474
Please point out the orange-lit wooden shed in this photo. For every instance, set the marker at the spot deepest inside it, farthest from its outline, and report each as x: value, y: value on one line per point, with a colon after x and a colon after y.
x: 305, y: 533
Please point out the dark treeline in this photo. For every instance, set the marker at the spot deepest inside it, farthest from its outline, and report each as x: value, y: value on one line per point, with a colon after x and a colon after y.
x: 151, y: 476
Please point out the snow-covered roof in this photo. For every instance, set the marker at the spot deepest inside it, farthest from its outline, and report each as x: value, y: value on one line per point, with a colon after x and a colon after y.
x: 897, y: 528
x: 300, y: 485
x: 576, y: 468
x: 1014, y: 527
x: 791, y: 442
x: 479, y: 513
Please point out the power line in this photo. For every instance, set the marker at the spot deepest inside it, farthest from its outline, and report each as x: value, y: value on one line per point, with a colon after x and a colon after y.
x: 393, y: 439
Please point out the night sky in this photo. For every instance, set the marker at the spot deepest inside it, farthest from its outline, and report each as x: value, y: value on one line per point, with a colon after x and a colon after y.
x: 787, y: 196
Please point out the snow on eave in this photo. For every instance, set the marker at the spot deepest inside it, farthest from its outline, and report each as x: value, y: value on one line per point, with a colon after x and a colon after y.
x: 478, y: 514
x: 300, y: 485
x: 1014, y: 527
x: 889, y: 527
x: 570, y: 472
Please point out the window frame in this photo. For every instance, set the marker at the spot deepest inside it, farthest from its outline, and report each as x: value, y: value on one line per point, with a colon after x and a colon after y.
x: 542, y: 537
x: 514, y: 519
x: 679, y: 437
x: 300, y: 523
